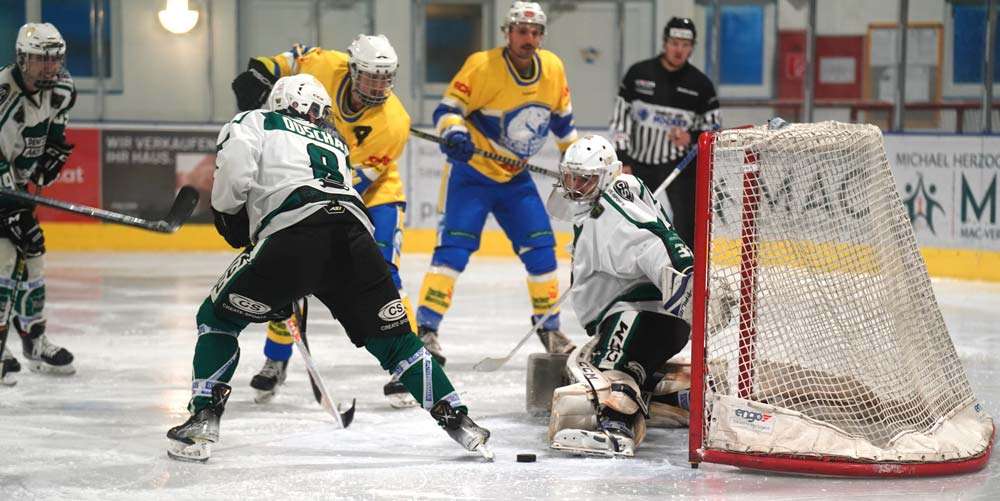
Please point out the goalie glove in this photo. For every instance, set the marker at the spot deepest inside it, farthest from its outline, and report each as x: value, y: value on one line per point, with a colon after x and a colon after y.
x: 235, y: 228
x: 677, y: 288
x: 253, y: 85
x: 50, y: 163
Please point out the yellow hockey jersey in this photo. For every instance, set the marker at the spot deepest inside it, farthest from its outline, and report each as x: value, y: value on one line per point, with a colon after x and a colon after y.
x: 376, y: 135
x: 506, y: 113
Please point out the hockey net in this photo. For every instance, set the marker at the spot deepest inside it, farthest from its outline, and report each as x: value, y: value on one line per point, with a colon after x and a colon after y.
x: 817, y: 342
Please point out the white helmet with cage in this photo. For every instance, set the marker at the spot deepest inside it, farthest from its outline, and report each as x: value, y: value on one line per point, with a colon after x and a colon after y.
x: 373, y: 64
x: 302, y: 96
x: 524, y: 13
x: 587, y: 168
x: 40, y: 44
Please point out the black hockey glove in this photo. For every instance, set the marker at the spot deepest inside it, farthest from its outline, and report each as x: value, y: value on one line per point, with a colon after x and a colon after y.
x: 51, y: 161
x: 253, y: 85
x: 235, y: 228
x: 21, y: 227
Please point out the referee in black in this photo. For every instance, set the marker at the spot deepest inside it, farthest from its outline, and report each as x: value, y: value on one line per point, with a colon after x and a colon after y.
x: 663, y: 104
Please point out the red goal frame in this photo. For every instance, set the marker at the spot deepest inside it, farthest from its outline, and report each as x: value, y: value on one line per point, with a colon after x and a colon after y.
x: 697, y: 453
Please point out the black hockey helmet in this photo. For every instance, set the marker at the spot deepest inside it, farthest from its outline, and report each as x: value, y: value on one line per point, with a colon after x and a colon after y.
x: 680, y: 27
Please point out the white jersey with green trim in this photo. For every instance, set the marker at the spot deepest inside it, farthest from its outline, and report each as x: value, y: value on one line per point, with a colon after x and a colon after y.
x: 619, y: 252
x: 282, y: 169
x: 28, y: 122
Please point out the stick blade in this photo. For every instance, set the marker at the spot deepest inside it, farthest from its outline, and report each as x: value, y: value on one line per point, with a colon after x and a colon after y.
x: 184, y: 204
x: 489, y: 364
x: 347, y: 416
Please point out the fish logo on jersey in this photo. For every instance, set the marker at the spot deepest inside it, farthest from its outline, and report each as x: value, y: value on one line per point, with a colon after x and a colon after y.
x: 525, y: 129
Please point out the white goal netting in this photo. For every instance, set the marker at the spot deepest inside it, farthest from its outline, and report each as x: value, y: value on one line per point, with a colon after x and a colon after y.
x: 825, y: 339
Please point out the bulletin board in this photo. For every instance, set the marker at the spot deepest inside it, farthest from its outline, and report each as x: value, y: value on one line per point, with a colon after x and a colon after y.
x: 924, y: 60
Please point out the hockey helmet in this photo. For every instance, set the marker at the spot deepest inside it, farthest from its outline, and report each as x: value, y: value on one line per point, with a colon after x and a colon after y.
x: 681, y: 28
x: 373, y: 64
x: 40, y: 43
x: 524, y: 13
x: 301, y: 96
x: 588, y: 166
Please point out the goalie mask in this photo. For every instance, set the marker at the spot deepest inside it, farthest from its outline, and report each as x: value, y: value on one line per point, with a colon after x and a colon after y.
x: 587, y: 168
x: 524, y: 13
x: 40, y: 52
x: 300, y: 96
x: 373, y: 64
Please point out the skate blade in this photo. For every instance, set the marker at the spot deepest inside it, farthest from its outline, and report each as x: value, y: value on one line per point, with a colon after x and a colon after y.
x: 486, y: 452
x: 264, y: 396
x: 589, y: 443
x: 40, y: 367
x: 198, y: 452
x: 7, y: 381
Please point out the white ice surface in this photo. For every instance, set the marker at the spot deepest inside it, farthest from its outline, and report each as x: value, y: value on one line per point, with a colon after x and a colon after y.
x: 129, y: 319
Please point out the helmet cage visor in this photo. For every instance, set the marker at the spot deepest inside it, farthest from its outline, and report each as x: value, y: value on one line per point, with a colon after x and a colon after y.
x: 373, y: 88
x: 41, y: 69
x: 580, y: 184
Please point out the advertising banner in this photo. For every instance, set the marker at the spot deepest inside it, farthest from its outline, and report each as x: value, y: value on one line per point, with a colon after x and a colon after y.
x: 949, y: 187
x: 79, y: 181
x: 144, y: 168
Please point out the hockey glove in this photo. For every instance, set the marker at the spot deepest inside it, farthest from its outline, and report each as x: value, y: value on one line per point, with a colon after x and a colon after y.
x: 457, y: 145
x: 253, y: 85
x: 51, y: 161
x: 21, y: 227
x: 235, y: 228
x: 676, y: 287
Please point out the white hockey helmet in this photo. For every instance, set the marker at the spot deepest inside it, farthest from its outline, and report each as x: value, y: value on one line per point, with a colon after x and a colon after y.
x: 524, y: 13
x: 302, y: 96
x: 41, y: 43
x: 373, y: 64
x: 588, y: 166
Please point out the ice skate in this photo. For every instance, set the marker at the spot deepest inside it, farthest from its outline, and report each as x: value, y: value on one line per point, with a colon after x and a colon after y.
x: 192, y: 440
x: 462, y: 429
x: 615, y: 439
x: 555, y: 341
x: 429, y: 337
x: 43, y: 356
x: 266, y: 381
x: 8, y: 366
x: 397, y: 395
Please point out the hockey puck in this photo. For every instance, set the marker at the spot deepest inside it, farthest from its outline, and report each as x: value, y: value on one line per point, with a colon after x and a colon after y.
x: 525, y: 458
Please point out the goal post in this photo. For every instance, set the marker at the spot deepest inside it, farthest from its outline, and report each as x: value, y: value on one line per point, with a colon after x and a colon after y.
x: 817, y: 343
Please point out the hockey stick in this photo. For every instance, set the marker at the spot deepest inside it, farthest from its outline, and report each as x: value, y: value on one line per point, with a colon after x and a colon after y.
x: 301, y: 319
x: 688, y: 158
x: 7, y: 315
x: 343, y: 418
x: 491, y: 364
x: 183, y: 206
x: 521, y: 164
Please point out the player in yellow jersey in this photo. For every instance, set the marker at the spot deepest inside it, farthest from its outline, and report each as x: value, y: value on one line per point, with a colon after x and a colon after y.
x: 375, y: 126
x: 504, y: 100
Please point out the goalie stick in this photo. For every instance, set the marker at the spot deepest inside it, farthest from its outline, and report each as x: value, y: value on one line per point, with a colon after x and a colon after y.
x: 181, y: 209
x: 492, y: 156
x: 343, y: 418
x: 489, y: 364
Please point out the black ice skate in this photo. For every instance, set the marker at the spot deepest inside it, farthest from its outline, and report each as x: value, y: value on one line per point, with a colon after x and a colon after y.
x: 8, y: 366
x: 462, y: 429
x: 43, y: 356
x: 267, y: 380
x: 555, y: 341
x: 192, y: 440
x: 429, y: 337
x: 397, y: 395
